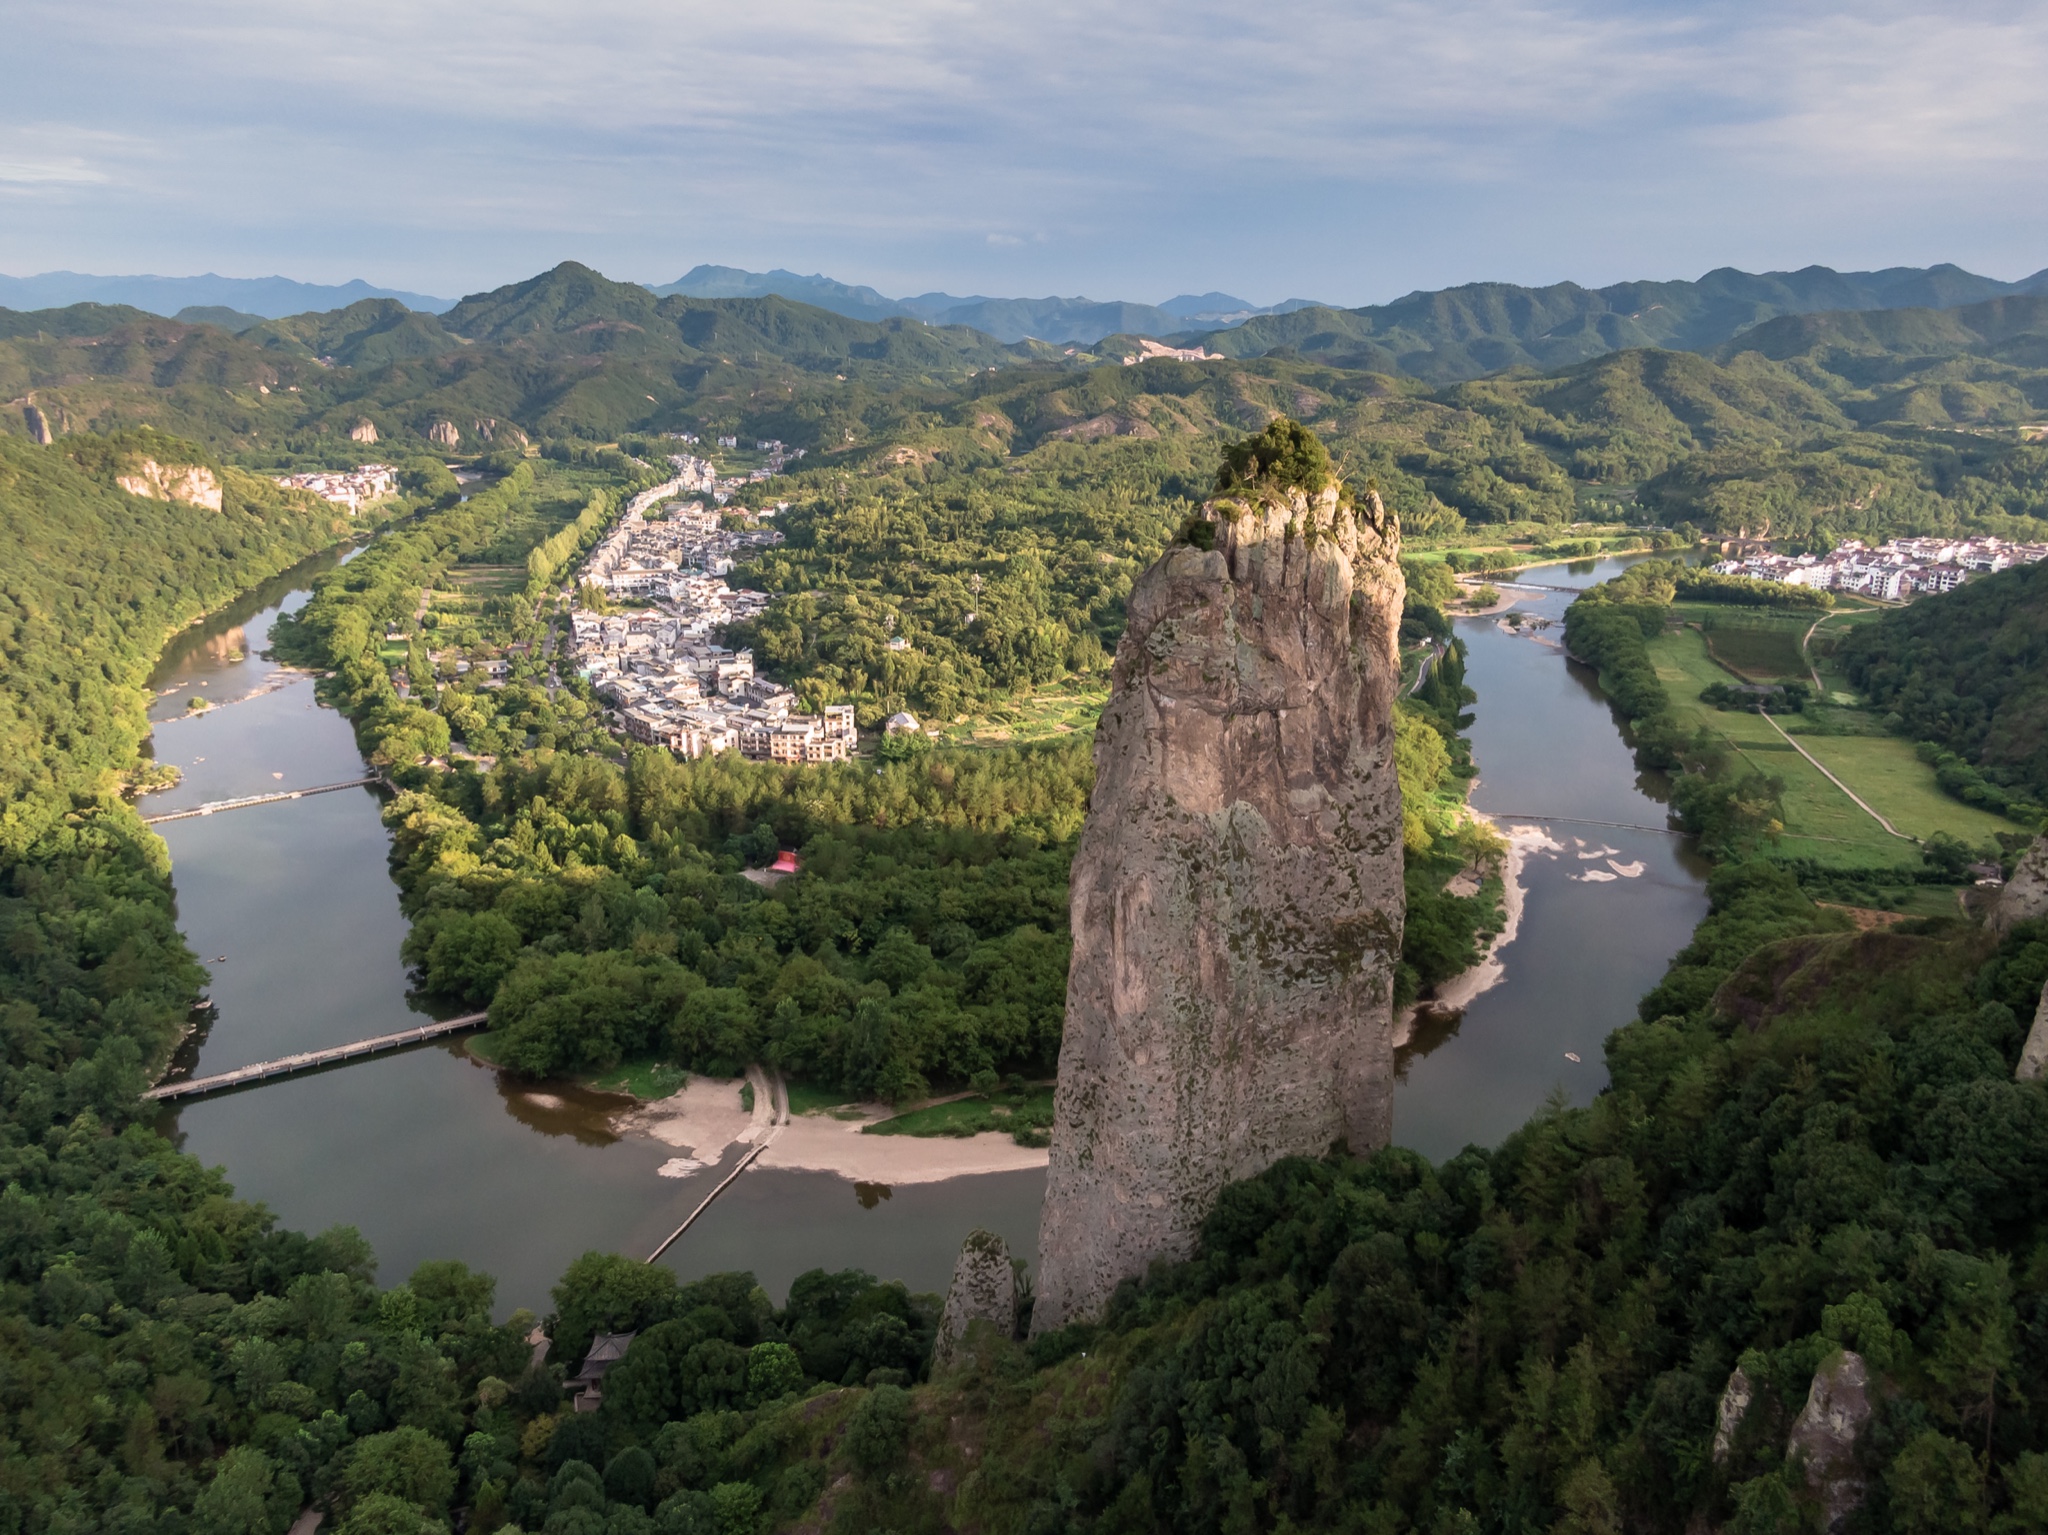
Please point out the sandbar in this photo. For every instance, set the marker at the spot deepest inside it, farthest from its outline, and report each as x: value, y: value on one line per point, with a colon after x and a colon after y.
x: 1458, y: 992
x: 704, y: 1119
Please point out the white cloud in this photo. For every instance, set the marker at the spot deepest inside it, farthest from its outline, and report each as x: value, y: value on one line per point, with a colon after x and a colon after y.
x: 892, y: 136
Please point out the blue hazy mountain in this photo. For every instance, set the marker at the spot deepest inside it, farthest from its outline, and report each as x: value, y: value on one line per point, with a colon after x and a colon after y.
x: 1070, y: 321
x: 856, y: 303
x: 269, y: 298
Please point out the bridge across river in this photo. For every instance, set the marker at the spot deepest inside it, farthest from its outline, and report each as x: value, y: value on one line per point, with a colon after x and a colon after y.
x: 313, y: 1060
x: 261, y: 799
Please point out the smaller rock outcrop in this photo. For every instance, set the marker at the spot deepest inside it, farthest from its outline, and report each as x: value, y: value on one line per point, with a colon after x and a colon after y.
x: 1837, y: 1407
x: 984, y: 1290
x: 364, y: 430
x: 2025, y: 895
x: 444, y: 433
x: 191, y: 483
x: 1735, y: 1402
x: 2034, y: 1055
x: 38, y: 425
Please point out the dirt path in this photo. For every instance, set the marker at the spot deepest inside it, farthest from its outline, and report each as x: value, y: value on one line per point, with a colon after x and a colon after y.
x: 1861, y: 803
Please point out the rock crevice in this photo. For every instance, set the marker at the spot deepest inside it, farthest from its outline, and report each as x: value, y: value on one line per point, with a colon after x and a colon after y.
x: 1236, y: 899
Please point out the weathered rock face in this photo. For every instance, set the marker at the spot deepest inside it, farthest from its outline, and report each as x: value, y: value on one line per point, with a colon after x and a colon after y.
x: 38, y: 425
x: 984, y: 1290
x: 193, y: 483
x: 2034, y: 1054
x: 1736, y: 1398
x: 1837, y: 1407
x: 1236, y: 897
x: 2025, y: 895
x: 364, y: 430
x: 444, y: 433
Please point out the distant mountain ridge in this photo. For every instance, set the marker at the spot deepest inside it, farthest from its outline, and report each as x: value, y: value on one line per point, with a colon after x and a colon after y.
x: 271, y: 298
x: 1451, y: 334
x: 1441, y: 336
x: 1067, y: 321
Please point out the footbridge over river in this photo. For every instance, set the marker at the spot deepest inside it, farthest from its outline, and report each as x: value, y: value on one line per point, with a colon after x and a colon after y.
x: 313, y: 1060
x: 263, y: 799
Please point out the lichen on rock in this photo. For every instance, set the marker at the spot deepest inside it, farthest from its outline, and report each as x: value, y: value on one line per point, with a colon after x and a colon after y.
x: 1236, y: 896
x: 984, y: 1289
x: 1838, y: 1405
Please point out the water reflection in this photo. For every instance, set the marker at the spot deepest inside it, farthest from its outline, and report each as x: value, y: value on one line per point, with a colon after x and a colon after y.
x: 872, y: 1194
x: 1432, y: 1028
x: 559, y: 1108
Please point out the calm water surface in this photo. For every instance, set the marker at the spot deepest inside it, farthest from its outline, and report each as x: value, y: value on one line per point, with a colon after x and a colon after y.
x: 431, y: 1155
x: 1550, y: 754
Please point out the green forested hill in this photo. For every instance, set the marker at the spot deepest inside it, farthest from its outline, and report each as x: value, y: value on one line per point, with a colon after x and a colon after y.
x: 92, y: 579
x: 1859, y: 421
x: 1968, y: 673
x: 1465, y: 332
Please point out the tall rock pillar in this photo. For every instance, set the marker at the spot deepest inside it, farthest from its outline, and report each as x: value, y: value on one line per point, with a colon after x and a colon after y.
x: 1237, y: 896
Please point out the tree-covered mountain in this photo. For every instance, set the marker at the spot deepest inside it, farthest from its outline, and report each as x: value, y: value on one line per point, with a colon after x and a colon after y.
x: 567, y: 353
x: 1968, y: 673
x: 1481, y: 328
x: 1829, y: 425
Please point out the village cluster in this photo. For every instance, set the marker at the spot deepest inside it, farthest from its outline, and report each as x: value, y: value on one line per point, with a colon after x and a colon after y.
x: 349, y: 487
x: 1902, y: 568
x: 658, y: 666
x: 699, y: 476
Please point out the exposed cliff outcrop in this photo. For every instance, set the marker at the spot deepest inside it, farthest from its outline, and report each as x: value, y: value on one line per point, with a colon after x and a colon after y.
x: 364, y: 430
x: 38, y: 425
x: 1838, y: 1405
x: 2025, y: 895
x: 444, y: 434
x: 1237, y: 899
x: 984, y: 1290
x: 192, y: 483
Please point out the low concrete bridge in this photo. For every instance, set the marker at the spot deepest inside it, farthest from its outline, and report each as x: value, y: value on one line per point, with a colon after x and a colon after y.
x: 313, y: 1060
x: 259, y: 799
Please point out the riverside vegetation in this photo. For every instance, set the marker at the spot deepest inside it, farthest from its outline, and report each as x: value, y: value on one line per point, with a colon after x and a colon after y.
x: 1813, y: 1140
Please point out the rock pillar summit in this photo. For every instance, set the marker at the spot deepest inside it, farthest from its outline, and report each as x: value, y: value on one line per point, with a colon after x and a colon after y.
x: 1236, y: 898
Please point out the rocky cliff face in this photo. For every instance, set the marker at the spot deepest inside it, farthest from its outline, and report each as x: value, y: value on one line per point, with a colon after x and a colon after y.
x: 1237, y: 900
x: 193, y: 483
x: 984, y: 1289
x: 2025, y: 895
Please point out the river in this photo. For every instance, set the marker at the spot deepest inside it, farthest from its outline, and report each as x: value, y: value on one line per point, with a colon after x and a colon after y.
x: 1550, y: 754
x: 431, y: 1155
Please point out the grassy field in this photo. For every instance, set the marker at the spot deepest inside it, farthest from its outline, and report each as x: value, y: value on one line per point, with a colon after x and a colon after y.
x: 1821, y: 822
x: 1900, y: 787
x: 646, y: 1079
x: 808, y: 1098
x: 1044, y: 714
x: 972, y: 1115
x: 489, y: 580
x: 1759, y: 650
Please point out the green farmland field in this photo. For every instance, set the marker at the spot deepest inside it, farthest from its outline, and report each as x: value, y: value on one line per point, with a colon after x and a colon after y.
x: 1821, y: 822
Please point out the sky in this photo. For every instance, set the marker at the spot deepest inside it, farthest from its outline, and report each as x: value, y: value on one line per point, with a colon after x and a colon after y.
x: 1343, y: 150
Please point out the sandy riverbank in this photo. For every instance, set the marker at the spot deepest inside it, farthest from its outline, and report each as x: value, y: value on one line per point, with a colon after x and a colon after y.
x: 705, y: 1119
x: 1458, y: 993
